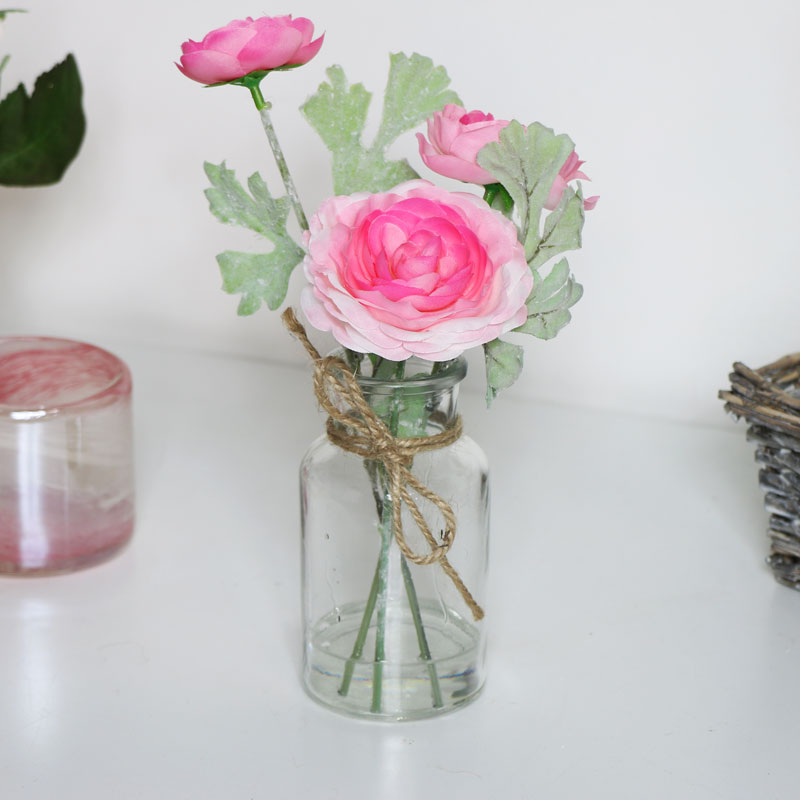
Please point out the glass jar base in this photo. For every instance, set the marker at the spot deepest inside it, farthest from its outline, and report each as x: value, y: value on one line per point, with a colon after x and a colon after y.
x: 406, y: 687
x: 53, y: 535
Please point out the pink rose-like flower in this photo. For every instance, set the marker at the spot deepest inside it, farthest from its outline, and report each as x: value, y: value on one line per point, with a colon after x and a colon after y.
x: 247, y: 45
x: 571, y: 171
x: 455, y: 139
x: 414, y: 271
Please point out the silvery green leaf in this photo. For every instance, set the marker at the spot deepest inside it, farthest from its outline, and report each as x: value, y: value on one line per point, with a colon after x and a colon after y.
x: 230, y: 203
x: 503, y: 366
x: 257, y: 276
x: 415, y: 90
x: 338, y: 112
x: 549, y: 301
x: 527, y: 162
x: 562, y: 228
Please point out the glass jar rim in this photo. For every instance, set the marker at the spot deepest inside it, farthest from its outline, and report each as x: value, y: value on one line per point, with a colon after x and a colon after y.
x: 118, y: 384
x: 450, y: 373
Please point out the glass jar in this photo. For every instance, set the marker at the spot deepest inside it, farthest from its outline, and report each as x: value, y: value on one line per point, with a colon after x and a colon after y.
x: 386, y: 637
x: 66, y: 465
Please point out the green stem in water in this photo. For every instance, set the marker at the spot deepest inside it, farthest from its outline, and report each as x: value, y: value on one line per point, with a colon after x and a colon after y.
x: 361, y: 636
x: 383, y: 563
x: 383, y: 503
x: 380, y: 633
x: 422, y: 639
x: 291, y: 192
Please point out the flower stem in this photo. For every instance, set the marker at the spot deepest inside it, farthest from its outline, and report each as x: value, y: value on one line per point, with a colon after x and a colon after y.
x: 263, y: 109
x: 361, y: 637
x: 383, y: 503
x: 497, y: 196
x: 380, y: 633
x: 422, y: 639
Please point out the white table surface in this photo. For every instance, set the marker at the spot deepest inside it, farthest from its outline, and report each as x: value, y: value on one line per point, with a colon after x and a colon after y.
x: 639, y: 646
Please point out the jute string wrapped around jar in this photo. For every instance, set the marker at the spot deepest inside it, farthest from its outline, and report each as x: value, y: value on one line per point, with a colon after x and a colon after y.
x: 360, y: 431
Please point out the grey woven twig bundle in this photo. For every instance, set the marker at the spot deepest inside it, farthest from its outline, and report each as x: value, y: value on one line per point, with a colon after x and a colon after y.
x: 769, y: 399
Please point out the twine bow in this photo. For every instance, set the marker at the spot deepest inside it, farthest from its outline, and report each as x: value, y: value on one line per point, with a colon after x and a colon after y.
x: 365, y: 434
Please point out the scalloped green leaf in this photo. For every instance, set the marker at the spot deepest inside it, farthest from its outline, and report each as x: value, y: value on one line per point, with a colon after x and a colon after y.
x: 258, y: 277
x: 416, y: 88
x: 549, y: 301
x: 503, y: 366
x: 562, y: 228
x: 338, y: 112
x: 526, y: 161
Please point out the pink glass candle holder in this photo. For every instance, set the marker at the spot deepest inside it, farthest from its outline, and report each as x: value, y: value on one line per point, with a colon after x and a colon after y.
x: 66, y: 469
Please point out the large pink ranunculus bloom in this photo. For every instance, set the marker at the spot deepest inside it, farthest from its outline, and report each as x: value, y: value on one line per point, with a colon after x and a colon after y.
x: 417, y: 271
x: 455, y: 139
x: 247, y: 45
x: 571, y: 171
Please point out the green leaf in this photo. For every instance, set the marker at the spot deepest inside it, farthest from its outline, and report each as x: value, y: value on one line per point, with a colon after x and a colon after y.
x: 526, y: 162
x: 549, y: 301
x: 338, y: 112
x: 7, y: 11
x: 40, y: 135
x: 415, y: 90
x: 562, y: 228
x: 503, y: 366
x: 259, y: 277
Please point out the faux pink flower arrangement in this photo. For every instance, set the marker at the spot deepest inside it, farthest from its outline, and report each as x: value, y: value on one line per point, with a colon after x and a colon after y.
x: 398, y: 267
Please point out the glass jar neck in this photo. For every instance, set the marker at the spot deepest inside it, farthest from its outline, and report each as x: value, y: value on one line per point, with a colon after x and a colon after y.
x: 423, y: 402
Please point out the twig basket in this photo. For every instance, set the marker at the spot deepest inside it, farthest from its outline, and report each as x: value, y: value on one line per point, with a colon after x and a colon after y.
x: 769, y: 399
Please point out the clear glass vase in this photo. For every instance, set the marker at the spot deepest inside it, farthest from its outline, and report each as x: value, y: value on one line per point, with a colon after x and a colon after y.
x: 385, y: 637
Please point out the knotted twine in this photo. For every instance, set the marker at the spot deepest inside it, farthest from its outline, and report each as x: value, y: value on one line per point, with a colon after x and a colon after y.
x: 365, y: 434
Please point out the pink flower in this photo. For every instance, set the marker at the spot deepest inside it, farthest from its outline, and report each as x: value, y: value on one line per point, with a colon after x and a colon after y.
x: 455, y: 139
x: 244, y: 46
x: 414, y: 271
x: 569, y: 172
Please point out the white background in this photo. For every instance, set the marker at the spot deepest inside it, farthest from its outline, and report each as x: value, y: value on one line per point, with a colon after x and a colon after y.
x: 639, y: 646
x: 686, y: 113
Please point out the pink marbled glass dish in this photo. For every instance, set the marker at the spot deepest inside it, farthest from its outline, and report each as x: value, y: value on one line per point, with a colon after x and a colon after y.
x: 66, y: 467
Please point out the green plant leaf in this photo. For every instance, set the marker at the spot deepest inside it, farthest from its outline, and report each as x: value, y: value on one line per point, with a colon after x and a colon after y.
x: 259, y: 277
x: 41, y: 134
x: 562, y: 228
x: 414, y: 91
x: 338, y: 112
x: 503, y: 366
x: 7, y: 11
x: 549, y: 301
x: 526, y: 162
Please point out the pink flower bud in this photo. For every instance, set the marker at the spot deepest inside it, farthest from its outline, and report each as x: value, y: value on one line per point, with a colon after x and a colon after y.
x: 571, y: 171
x: 455, y: 139
x: 248, y: 45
